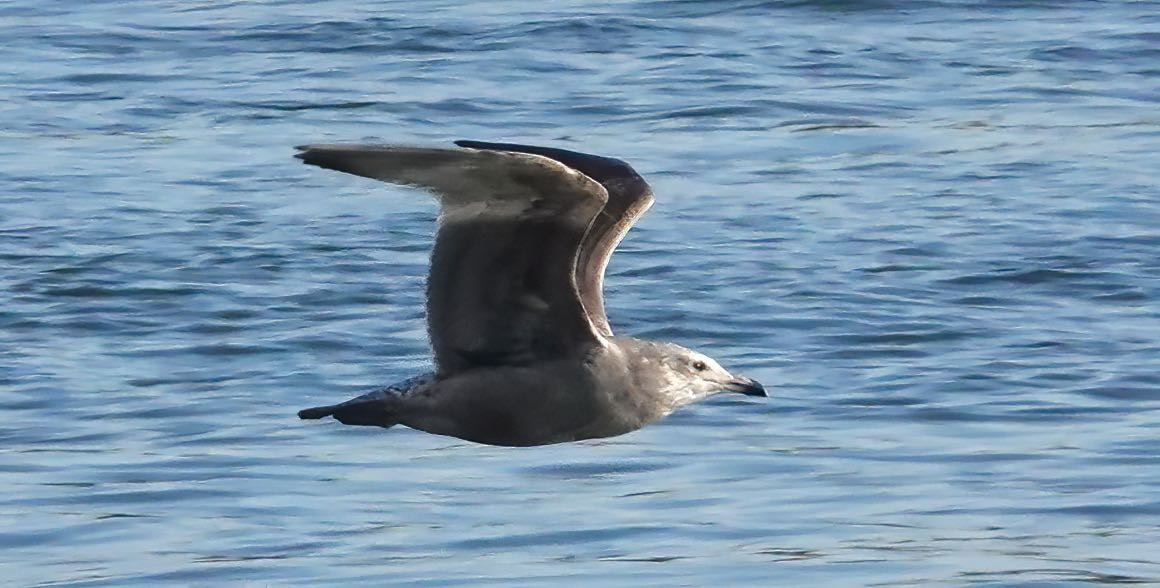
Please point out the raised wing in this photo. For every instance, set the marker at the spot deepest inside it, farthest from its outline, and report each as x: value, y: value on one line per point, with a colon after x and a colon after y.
x: 629, y: 196
x: 502, y: 288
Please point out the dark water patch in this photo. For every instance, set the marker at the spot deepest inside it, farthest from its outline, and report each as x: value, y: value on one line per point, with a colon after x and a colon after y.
x: 151, y: 412
x: 112, y: 77
x: 117, y: 291
x: 572, y: 537
x: 901, y: 337
x: 926, y: 250
x: 831, y: 124
x: 103, y: 498
x: 985, y: 301
x: 874, y: 353
x: 1122, y: 392
x: 873, y: 401
x: 284, y: 106
x: 1063, y: 413
x: 588, y: 470
x: 609, y: 28
x: 821, y: 196
x: 647, y: 271
x: 1048, y: 344
x: 1025, y: 277
x: 939, y: 414
x: 189, y: 378
x: 215, y: 349
x: 713, y: 111
x: 895, y: 268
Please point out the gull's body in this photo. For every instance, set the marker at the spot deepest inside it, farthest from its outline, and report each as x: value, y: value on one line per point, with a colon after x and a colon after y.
x: 524, y: 354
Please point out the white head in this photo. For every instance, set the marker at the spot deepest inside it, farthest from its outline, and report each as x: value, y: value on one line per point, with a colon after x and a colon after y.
x: 686, y: 376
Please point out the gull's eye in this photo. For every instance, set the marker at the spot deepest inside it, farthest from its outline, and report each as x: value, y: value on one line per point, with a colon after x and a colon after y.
x: 700, y: 366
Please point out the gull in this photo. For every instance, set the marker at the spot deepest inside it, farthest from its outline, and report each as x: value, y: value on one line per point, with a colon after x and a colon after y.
x: 523, y: 352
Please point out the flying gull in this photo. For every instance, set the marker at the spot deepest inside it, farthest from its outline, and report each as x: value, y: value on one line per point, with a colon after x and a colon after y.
x: 524, y: 354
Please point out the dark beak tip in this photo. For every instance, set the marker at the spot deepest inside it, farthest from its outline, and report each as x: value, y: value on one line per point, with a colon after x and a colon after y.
x: 749, y: 387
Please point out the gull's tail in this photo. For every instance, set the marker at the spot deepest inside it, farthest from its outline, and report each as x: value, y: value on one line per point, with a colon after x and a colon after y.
x: 376, y: 409
x: 374, y: 412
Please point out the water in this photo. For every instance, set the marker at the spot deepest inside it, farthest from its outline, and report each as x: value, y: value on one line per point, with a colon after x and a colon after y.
x: 931, y: 228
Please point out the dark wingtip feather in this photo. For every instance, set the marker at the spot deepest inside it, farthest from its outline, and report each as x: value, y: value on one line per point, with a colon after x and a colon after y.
x: 316, y: 412
x: 334, y: 159
x: 304, y: 151
x: 602, y: 169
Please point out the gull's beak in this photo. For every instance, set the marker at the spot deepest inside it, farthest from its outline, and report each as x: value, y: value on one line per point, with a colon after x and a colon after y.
x: 746, y: 386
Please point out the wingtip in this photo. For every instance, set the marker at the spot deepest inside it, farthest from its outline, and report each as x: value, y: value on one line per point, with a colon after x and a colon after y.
x: 324, y: 156
x: 315, y: 413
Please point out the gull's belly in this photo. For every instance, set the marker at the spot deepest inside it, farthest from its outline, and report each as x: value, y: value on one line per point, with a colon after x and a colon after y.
x: 521, y: 406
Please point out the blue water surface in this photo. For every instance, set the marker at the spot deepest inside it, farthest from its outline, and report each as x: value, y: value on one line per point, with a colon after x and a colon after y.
x: 930, y: 227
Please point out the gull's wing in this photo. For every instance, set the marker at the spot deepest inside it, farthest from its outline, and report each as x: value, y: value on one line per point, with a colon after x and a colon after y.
x: 502, y: 288
x: 629, y: 196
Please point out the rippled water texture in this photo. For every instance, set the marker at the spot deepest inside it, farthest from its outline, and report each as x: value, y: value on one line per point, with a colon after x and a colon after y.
x: 932, y: 228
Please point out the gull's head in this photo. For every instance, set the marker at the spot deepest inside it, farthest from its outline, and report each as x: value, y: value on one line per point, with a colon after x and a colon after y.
x: 689, y: 376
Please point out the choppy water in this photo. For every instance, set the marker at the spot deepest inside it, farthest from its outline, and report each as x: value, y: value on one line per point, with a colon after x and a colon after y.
x: 931, y: 228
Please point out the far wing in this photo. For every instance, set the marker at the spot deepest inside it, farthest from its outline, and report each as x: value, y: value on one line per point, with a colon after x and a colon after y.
x: 502, y: 290
x: 629, y: 196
